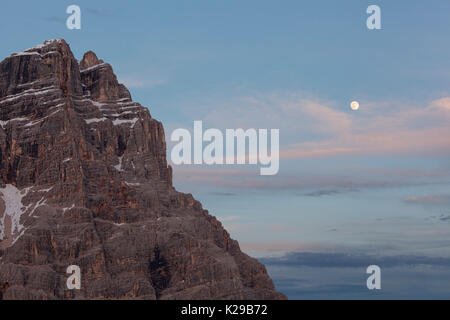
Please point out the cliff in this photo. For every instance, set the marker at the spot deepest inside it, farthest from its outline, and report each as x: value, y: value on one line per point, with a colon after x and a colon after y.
x: 84, y: 181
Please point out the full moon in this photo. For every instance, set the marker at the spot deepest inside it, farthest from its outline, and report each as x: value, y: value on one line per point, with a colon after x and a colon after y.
x: 354, y: 105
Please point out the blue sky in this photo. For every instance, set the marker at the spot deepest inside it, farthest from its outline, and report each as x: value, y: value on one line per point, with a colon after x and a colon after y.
x: 372, y: 182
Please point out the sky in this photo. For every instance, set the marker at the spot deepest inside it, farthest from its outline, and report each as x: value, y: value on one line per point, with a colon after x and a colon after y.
x: 366, y: 187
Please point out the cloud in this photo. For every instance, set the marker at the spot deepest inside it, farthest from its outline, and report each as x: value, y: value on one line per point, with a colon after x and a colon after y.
x: 427, y: 141
x: 235, y: 227
x: 327, y: 192
x: 443, y: 103
x: 384, y: 130
x: 436, y: 199
x: 277, y: 247
x: 310, y: 184
x: 137, y: 82
x: 279, y: 227
x: 347, y: 260
x: 343, y: 275
x: 297, y: 290
x: 226, y: 219
x: 315, y: 127
x: 225, y: 194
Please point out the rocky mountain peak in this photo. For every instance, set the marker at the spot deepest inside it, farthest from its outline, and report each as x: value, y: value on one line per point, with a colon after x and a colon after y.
x: 50, y: 64
x: 84, y: 181
x: 89, y: 60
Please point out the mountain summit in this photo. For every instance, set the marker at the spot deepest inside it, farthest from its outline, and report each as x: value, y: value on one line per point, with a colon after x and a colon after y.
x: 84, y: 181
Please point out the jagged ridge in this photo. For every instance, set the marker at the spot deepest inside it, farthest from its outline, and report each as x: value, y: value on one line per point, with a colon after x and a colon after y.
x: 84, y: 180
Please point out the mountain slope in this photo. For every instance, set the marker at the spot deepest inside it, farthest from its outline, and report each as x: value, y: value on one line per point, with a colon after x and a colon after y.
x: 84, y: 181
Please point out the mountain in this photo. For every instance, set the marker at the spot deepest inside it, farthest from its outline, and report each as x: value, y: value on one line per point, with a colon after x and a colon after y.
x: 84, y: 181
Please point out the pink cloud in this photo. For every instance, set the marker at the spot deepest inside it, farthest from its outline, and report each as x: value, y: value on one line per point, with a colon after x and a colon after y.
x: 429, y: 141
x: 406, y: 130
x: 355, y: 178
x: 429, y: 199
x: 443, y: 103
x: 280, y: 247
x: 314, y: 127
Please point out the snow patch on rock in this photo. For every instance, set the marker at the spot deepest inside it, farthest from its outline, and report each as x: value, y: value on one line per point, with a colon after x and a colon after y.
x: 14, y: 208
x: 119, y: 166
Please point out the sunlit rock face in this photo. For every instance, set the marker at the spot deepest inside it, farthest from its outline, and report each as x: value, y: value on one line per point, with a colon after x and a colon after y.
x: 84, y: 181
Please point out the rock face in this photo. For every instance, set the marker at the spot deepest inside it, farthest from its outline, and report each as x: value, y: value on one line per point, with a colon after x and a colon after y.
x: 84, y: 181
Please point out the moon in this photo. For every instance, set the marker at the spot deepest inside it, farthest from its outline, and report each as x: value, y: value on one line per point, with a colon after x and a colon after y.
x: 354, y: 105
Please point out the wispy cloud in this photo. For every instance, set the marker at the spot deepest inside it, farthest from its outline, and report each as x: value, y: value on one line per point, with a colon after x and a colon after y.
x: 138, y: 82
x: 224, y: 194
x: 328, y: 192
x: 419, y: 130
x: 314, y: 127
x: 283, y: 247
x: 346, y: 260
x: 226, y: 219
x: 312, y: 184
x: 433, y: 199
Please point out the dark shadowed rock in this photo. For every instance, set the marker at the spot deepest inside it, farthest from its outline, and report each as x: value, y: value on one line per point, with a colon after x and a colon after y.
x: 84, y: 180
